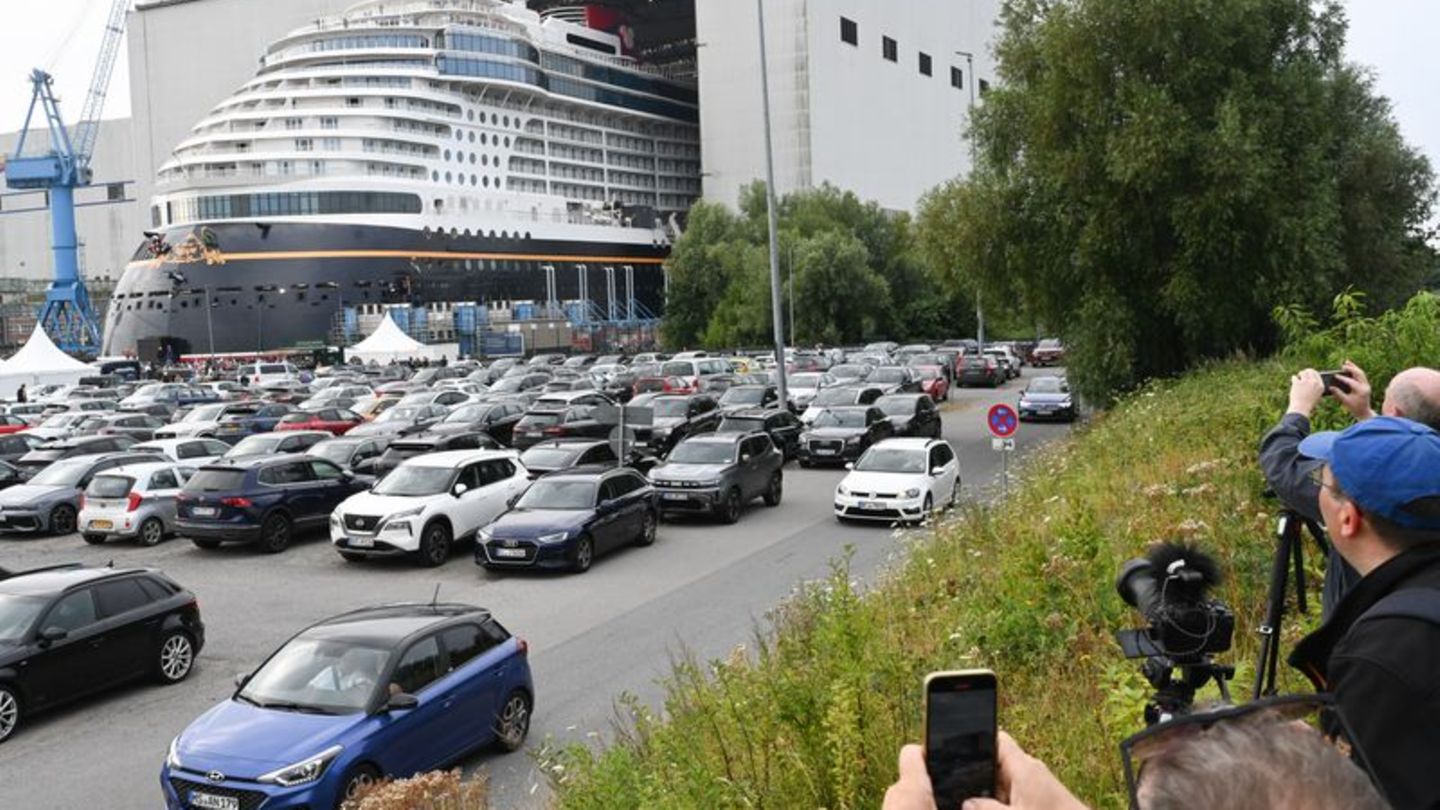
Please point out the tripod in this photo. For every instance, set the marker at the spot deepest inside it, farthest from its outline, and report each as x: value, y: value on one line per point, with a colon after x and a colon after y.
x: 1175, y: 695
x: 1289, y: 551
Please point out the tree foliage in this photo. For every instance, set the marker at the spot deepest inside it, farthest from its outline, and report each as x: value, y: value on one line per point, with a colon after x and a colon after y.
x: 856, y: 270
x: 1154, y: 176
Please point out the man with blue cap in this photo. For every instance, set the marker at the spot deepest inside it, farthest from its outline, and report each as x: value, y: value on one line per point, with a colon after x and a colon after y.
x: 1379, y: 650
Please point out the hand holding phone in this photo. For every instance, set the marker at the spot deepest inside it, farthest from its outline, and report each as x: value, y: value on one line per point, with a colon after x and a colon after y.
x: 1335, y: 379
x: 960, y: 735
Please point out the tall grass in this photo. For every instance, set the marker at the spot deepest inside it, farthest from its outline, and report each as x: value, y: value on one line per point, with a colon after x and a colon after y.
x: 814, y: 714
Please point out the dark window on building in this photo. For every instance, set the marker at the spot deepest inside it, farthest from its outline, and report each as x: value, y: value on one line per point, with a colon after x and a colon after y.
x: 115, y: 192
x: 984, y: 87
x: 957, y: 77
x: 849, y: 32
x: 890, y: 50
x: 925, y: 65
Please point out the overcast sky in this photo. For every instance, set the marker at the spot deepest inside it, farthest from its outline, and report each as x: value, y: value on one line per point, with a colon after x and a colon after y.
x: 1392, y: 37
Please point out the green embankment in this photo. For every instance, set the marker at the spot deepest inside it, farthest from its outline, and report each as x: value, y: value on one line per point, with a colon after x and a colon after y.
x: 814, y: 716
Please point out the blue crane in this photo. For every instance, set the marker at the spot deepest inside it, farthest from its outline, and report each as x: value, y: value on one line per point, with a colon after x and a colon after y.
x: 67, y: 315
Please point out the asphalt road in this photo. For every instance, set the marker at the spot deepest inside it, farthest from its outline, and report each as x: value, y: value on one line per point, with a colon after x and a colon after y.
x: 702, y: 586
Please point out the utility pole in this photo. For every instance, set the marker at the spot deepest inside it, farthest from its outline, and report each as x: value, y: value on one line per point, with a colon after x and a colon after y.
x: 792, y: 296
x: 775, y: 306
x: 970, y: 137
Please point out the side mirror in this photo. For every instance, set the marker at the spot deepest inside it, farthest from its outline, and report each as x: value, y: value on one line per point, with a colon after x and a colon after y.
x: 937, y: 471
x: 241, y: 678
x: 606, y: 507
x: 51, y: 635
x: 849, y: 465
x: 744, y: 456
x: 401, y: 702
x: 460, y: 489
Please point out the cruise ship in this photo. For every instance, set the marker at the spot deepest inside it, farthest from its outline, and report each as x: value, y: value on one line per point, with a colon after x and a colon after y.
x: 415, y: 152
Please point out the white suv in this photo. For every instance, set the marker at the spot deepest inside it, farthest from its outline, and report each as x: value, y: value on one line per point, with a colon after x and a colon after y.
x: 427, y: 503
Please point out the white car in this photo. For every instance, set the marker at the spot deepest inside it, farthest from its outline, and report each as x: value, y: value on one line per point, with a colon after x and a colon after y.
x: 136, y: 501
x: 200, y: 421
x: 803, y: 388
x: 191, y: 451
x: 262, y: 374
x: 899, y: 481
x: 425, y: 505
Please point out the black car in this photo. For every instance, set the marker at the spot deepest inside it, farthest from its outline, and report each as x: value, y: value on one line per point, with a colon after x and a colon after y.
x: 15, y: 445
x: 245, y: 418
x: 552, y: 455
x: 42, y: 457
x: 402, y: 420
x: 895, y: 379
x: 566, y: 519
x: 348, y: 452
x: 261, y: 500
x: 412, y: 446
x: 495, y: 418
x: 911, y: 414
x: 550, y: 422
x: 843, y: 434
x: 744, y: 397
x: 679, y: 416
x: 69, y: 631
x: 783, y: 426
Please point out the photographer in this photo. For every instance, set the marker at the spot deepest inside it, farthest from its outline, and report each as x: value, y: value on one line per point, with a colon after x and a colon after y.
x: 1379, y: 651
x: 1413, y: 394
x: 1248, y: 762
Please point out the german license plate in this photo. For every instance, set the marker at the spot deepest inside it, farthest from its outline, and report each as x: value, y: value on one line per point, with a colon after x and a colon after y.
x: 362, y: 542
x: 872, y: 506
x: 824, y: 451
x: 674, y: 496
x: 204, y: 511
x: 102, y: 524
x: 210, y: 801
x: 510, y: 553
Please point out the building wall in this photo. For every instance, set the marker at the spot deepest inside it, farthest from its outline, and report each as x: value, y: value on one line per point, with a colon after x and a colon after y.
x: 840, y: 113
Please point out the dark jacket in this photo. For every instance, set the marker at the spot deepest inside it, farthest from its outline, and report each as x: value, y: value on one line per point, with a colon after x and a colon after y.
x: 1385, y: 674
x: 1288, y: 474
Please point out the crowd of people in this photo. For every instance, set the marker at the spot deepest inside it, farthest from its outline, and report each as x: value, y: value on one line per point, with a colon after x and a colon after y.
x: 1374, y: 487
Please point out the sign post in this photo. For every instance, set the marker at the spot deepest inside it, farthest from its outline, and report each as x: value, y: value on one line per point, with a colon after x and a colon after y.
x: 625, y: 418
x: 1003, y: 423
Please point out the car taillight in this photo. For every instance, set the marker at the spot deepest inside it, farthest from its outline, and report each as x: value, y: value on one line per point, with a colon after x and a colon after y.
x: 557, y: 430
x: 239, y: 503
x: 82, y: 500
x: 522, y: 645
x: 133, y: 502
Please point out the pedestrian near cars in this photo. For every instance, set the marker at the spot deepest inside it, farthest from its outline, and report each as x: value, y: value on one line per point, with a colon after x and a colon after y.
x: 21, y: 396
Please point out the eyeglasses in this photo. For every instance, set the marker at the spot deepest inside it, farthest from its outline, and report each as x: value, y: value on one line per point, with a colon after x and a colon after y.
x: 1280, y: 710
x: 1317, y: 475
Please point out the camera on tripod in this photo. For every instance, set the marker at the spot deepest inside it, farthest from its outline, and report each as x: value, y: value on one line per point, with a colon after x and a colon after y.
x: 1186, y: 626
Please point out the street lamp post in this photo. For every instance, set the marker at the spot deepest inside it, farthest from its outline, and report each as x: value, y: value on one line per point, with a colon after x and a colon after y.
x: 969, y: 122
x: 777, y: 314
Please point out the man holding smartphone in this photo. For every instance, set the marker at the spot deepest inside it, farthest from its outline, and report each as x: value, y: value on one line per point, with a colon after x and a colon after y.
x: 1413, y: 393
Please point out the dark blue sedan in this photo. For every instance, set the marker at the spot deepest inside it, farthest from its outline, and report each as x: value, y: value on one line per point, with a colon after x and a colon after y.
x: 386, y: 691
x: 565, y: 519
x: 1047, y: 398
x: 265, y: 500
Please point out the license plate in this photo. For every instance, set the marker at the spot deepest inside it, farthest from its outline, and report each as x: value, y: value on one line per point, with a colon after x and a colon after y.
x: 871, y: 506
x: 210, y: 801
x: 824, y: 451
x: 362, y: 542
x: 203, y: 511
x: 674, y: 496
x: 102, y: 524
x: 509, y: 552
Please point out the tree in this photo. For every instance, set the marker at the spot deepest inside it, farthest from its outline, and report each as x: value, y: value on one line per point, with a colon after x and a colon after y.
x: 844, y: 298
x: 1153, y: 178
x: 699, y: 271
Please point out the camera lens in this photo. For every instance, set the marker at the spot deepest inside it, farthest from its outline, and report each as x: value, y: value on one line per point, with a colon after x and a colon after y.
x: 1136, y: 585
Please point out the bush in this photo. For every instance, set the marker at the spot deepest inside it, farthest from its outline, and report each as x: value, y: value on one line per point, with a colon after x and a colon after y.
x: 814, y: 714
x: 436, y: 790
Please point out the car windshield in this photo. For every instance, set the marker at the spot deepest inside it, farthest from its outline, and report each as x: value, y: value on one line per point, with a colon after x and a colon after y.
x: 509, y: 385
x: 895, y: 406
x: 204, y: 413
x: 891, y: 460
x: 61, y: 420
x: 887, y: 375
x: 318, y: 675
x: 1049, y: 343
x: 469, y: 413
x: 703, y: 453
x: 17, y: 614
x: 150, y: 390
x: 677, y: 369
x: 336, y: 451
x: 1047, y: 385
x: 109, y: 486
x: 841, y: 418
x: 836, y: 396
x: 558, y: 495
x: 399, y: 414
x: 805, y: 381
x: 645, y: 369
x: 732, y: 424
x: 255, y: 445
x: 547, y: 458
x: 272, y: 369
x: 414, y: 480
x: 62, y: 474
x: 670, y: 408
x: 928, y: 373
x: 744, y: 395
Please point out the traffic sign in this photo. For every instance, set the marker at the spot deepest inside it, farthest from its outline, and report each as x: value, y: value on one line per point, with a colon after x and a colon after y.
x: 1003, y: 445
x: 1002, y: 421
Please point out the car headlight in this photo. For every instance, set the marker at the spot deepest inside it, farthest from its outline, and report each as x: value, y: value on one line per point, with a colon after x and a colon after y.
x: 853, y: 440
x: 486, y: 534
x: 913, y: 492
x: 172, y: 757
x: 841, y: 490
x: 304, y: 772
x: 711, y: 483
x: 557, y: 537
x: 400, y: 519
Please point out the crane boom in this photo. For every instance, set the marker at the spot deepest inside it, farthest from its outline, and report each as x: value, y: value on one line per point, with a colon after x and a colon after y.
x: 89, y: 122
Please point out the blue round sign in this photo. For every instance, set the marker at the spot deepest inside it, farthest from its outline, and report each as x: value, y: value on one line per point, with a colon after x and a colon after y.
x: 1002, y: 421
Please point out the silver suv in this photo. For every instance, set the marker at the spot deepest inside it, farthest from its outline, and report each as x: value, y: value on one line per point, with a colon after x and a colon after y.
x: 718, y: 473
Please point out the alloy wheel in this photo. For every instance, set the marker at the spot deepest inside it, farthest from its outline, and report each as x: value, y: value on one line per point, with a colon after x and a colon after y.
x: 9, y: 713
x: 62, y: 520
x: 648, y: 529
x: 177, y: 655
x: 514, y: 722
x: 584, y: 554
x: 359, y: 781
x: 276, y: 533
x: 732, y: 506
x: 435, y: 548
x: 152, y: 532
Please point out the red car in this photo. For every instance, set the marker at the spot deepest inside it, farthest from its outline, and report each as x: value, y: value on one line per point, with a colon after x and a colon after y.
x: 933, y: 382
x: 12, y: 424
x: 332, y: 420
x: 664, y: 385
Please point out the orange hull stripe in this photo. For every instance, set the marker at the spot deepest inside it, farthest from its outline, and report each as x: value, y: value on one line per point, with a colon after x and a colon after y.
x: 407, y: 254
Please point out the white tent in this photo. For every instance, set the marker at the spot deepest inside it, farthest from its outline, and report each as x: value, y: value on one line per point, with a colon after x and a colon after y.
x: 388, y: 343
x: 39, y: 362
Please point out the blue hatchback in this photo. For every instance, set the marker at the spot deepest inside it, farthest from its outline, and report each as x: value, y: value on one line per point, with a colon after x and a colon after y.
x: 389, y: 691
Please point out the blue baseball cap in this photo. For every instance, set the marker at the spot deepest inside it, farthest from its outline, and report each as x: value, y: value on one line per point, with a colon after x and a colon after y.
x: 1386, y: 465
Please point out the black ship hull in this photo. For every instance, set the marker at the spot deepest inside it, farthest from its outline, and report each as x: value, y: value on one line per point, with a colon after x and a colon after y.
x: 276, y: 286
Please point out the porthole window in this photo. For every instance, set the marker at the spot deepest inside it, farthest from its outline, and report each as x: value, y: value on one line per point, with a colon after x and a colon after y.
x: 507, y: 143
x: 435, y: 176
x: 507, y: 120
x: 449, y: 177
x: 474, y: 181
x: 472, y: 137
x: 484, y: 160
x: 472, y: 157
x: 487, y: 182
x: 483, y: 139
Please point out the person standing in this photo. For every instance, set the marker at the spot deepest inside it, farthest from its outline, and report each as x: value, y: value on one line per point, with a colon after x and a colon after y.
x: 21, y: 396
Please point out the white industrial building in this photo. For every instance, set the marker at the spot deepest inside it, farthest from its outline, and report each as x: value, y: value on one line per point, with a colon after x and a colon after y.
x: 851, y: 102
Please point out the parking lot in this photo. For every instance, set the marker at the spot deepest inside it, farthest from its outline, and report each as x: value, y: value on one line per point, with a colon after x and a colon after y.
x: 702, y: 585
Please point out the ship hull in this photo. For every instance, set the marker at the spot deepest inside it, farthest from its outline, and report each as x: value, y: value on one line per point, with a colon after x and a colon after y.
x: 323, y: 267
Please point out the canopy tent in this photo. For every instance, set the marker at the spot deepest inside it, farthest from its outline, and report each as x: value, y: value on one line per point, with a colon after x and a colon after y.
x: 388, y: 343
x: 39, y: 362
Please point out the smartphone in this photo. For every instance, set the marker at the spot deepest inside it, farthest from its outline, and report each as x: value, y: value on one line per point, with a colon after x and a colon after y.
x: 960, y: 727
x: 1334, y: 379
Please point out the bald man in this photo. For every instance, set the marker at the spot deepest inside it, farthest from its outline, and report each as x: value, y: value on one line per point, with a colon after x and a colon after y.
x: 1413, y: 393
